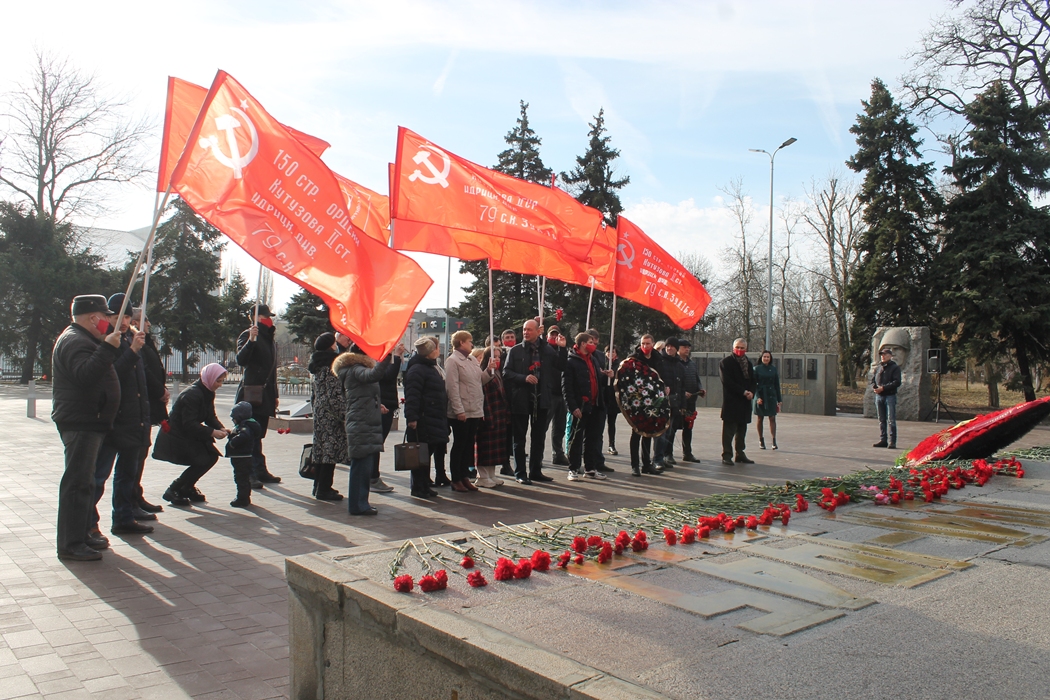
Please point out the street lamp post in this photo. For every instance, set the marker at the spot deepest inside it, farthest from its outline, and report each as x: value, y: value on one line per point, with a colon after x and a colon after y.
x: 769, y: 291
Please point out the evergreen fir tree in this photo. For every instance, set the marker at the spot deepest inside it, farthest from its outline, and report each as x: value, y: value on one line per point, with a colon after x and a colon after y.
x: 995, y: 259
x: 185, y: 284
x: 307, y: 317
x: 236, y: 308
x: 514, y: 295
x: 891, y: 285
x: 592, y: 181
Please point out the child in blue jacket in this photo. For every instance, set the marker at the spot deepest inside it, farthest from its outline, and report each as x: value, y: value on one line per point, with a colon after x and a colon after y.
x: 239, y: 447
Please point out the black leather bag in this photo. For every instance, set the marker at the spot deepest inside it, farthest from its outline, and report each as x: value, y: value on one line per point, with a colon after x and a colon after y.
x: 253, y: 394
x: 307, y: 469
x: 410, y: 455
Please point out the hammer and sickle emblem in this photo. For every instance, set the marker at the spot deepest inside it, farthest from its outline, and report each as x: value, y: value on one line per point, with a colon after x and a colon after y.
x: 622, y: 256
x: 436, y: 177
x: 229, y: 124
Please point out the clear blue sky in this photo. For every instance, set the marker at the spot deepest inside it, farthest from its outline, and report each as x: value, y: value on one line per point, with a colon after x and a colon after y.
x: 688, y: 87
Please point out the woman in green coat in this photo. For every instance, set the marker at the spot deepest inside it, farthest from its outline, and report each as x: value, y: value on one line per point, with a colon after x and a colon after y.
x: 767, y: 398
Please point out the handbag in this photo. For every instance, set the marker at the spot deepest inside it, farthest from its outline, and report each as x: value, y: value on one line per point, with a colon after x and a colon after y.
x: 307, y: 469
x: 253, y: 394
x: 410, y: 455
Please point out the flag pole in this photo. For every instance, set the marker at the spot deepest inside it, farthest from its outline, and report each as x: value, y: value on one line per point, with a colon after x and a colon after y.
x: 148, y: 247
x: 543, y: 298
x: 612, y: 333
x: 258, y: 295
x: 492, y: 322
x: 590, y: 300
x: 448, y: 300
x: 539, y: 297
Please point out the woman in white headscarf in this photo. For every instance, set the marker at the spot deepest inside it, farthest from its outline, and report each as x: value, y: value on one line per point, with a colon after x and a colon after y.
x: 188, y: 436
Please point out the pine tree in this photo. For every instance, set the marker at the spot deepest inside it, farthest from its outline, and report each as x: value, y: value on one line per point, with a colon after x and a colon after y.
x: 995, y: 258
x: 307, y: 317
x: 185, y: 284
x: 514, y: 295
x: 891, y: 285
x: 592, y: 181
x: 236, y: 308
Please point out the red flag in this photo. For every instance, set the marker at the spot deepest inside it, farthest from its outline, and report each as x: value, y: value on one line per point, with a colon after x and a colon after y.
x: 439, y: 199
x: 649, y: 275
x: 244, y: 173
x: 368, y: 210
x: 184, y: 104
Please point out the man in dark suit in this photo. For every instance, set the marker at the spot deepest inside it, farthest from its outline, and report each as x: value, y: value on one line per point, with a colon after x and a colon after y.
x: 257, y: 355
x: 531, y: 376
x: 738, y: 388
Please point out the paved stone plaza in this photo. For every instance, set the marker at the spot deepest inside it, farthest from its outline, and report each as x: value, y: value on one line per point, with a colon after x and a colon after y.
x: 199, y: 608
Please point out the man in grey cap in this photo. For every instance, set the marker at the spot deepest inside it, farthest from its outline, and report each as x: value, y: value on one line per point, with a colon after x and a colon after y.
x: 86, y: 397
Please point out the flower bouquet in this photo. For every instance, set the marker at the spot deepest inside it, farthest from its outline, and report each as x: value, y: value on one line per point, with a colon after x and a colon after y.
x: 642, y: 399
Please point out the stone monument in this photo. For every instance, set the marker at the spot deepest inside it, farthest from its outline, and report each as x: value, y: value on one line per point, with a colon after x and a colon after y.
x: 909, y: 345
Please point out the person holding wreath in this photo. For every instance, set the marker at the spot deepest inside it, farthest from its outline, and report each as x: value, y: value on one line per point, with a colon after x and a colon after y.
x: 767, y: 397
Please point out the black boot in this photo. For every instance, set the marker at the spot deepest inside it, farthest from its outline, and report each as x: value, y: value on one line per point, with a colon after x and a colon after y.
x: 323, y: 490
x: 440, y: 477
x: 174, y: 494
x: 636, y: 470
x: 242, y: 468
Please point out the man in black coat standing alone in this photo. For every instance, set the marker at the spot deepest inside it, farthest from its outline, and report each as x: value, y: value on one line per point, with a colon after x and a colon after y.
x: 257, y: 354
x: 531, y: 377
x: 86, y: 396
x: 738, y: 388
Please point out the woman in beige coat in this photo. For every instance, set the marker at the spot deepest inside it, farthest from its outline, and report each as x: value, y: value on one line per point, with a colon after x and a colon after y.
x: 464, y: 380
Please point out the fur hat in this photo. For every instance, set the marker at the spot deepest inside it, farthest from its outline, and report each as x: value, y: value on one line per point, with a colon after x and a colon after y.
x: 89, y: 304
x: 425, y: 346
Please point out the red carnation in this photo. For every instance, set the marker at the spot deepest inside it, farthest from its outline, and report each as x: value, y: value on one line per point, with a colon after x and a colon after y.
x: 442, y: 578
x: 704, y: 531
x: 623, y: 539
x: 594, y: 541
x: 740, y: 522
x: 729, y: 525
x: 467, y: 563
x: 476, y: 579
x: 640, y: 535
x: 578, y: 559
x: 165, y: 427
x: 558, y: 314
x: 523, y: 569
x: 563, y: 559
x: 670, y: 536
x: 785, y: 516
x: 606, y: 553
x: 579, y: 544
x: 619, y: 547
x: 403, y: 583
x: 504, y: 570
x: 429, y: 584
x: 541, y: 561
x: 688, y: 535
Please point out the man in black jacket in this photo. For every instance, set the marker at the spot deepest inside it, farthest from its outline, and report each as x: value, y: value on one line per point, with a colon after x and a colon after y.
x: 86, y: 397
x: 885, y: 382
x: 694, y: 389
x: 674, y: 376
x: 157, y: 389
x: 127, y: 441
x: 738, y: 388
x: 556, y: 416
x: 582, y: 394
x: 530, y: 377
x: 605, y: 385
x: 257, y: 355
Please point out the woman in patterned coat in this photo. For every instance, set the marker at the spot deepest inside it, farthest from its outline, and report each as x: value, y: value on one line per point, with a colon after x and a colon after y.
x: 329, y: 412
x: 495, y: 427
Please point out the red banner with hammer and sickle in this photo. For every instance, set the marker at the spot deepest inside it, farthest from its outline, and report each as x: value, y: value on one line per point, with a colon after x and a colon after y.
x: 273, y: 196
x: 447, y: 205
x: 649, y: 275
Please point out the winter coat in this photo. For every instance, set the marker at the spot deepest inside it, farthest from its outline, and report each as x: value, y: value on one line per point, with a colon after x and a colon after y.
x: 516, y: 369
x: 692, y: 384
x: 330, y: 446
x: 493, y: 431
x: 674, y: 376
x: 464, y: 380
x: 767, y: 381
x: 888, y: 376
x: 131, y: 426
x: 655, y: 361
x: 243, y: 438
x: 426, y: 401
x: 736, y: 407
x: 85, y: 388
x: 156, y: 381
x: 576, y: 384
x: 388, y: 384
x: 360, y: 377
x: 259, y: 359
x: 188, y: 439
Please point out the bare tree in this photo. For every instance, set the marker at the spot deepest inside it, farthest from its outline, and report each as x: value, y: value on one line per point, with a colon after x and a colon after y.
x: 978, y: 43
x: 742, y: 290
x: 66, y: 140
x: 833, y: 218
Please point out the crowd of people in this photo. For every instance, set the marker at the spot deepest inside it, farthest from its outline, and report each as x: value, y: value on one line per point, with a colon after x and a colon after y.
x: 483, y: 409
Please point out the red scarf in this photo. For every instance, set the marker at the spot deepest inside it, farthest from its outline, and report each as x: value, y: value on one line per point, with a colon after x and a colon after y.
x: 593, y: 375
